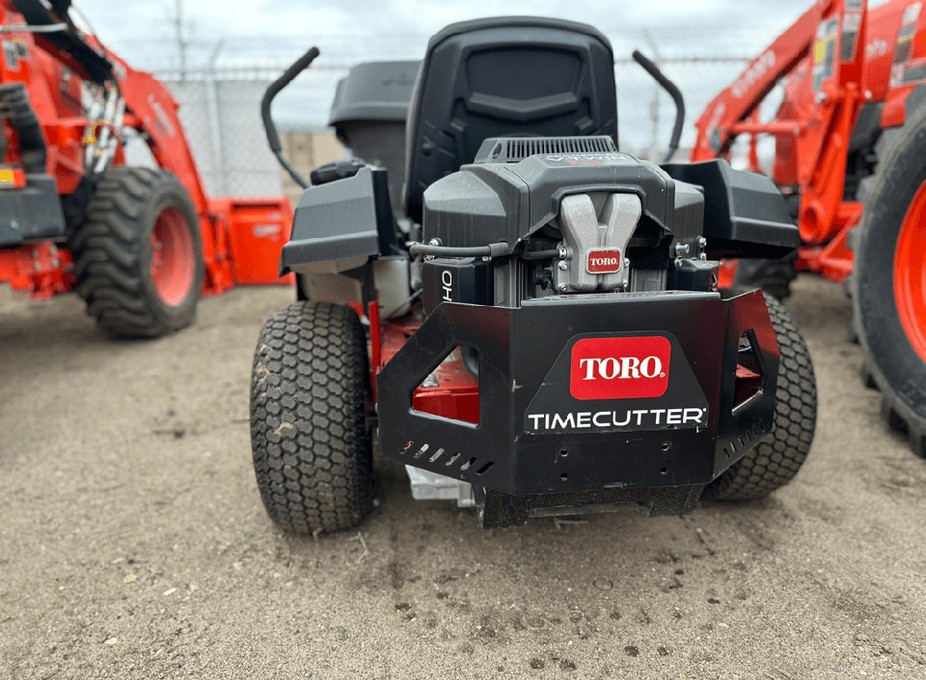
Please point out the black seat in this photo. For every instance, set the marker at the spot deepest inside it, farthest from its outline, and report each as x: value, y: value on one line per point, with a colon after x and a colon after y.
x: 505, y: 76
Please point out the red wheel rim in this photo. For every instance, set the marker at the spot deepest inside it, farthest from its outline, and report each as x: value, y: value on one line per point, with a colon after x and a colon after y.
x: 172, y: 265
x: 910, y: 273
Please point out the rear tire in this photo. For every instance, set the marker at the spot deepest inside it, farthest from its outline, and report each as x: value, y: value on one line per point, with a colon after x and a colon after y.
x: 888, y: 292
x: 138, y: 254
x: 777, y: 459
x: 311, y: 444
x: 773, y: 276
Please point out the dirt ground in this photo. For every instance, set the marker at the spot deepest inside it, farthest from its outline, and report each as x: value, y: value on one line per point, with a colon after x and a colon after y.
x: 133, y: 543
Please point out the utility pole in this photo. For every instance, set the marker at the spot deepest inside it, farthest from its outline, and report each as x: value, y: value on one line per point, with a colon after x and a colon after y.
x: 182, y: 41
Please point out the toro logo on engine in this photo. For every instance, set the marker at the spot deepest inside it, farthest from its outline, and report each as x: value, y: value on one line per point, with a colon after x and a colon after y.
x: 603, y: 261
x: 620, y: 368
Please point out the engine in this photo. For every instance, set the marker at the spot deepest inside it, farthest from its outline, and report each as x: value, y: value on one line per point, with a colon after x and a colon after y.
x: 569, y: 220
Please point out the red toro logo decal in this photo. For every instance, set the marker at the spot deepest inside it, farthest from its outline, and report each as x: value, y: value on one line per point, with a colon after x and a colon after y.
x: 620, y: 368
x: 603, y: 261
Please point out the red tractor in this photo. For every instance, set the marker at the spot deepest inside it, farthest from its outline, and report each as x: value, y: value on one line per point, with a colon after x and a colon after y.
x: 139, y: 245
x: 850, y: 155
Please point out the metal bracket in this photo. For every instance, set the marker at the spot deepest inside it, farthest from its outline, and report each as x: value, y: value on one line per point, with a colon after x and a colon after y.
x: 430, y: 486
x: 585, y: 229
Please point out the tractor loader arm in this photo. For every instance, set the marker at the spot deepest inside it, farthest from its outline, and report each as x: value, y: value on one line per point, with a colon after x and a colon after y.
x: 737, y: 102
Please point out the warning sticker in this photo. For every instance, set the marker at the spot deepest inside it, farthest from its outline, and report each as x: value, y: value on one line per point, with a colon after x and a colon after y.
x: 824, y: 52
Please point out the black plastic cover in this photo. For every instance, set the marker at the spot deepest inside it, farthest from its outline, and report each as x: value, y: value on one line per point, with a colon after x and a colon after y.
x: 379, y: 90
x: 514, y: 149
x: 689, y: 212
x: 744, y: 213
x: 331, y: 172
x: 368, y: 114
x: 524, y: 357
x: 494, y: 202
x: 505, y: 76
x: 697, y: 275
x: 33, y: 212
x: 379, y: 143
x: 466, y: 280
x: 339, y: 220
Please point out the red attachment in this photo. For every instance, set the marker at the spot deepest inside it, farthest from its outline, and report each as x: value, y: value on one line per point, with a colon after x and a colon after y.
x: 41, y: 269
x: 247, y: 231
x: 833, y: 260
x: 747, y: 384
x: 910, y: 273
x: 376, y: 344
x: 456, y: 394
x: 726, y: 276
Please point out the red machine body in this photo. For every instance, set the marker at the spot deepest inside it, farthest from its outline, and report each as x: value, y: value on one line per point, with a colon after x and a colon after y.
x: 833, y: 61
x: 850, y: 154
x: 241, y: 237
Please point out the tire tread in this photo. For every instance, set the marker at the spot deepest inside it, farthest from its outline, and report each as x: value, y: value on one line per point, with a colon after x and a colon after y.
x: 311, y: 446
x: 903, y: 406
x: 107, y: 254
x: 777, y: 459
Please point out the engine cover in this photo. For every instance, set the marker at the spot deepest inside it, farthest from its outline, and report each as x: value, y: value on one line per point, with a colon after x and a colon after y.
x: 491, y: 202
x: 596, y: 240
x: 518, y: 185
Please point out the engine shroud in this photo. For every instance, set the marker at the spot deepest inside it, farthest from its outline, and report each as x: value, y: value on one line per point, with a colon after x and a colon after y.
x: 490, y: 202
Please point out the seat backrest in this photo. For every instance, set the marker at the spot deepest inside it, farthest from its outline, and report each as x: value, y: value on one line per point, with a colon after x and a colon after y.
x: 504, y: 76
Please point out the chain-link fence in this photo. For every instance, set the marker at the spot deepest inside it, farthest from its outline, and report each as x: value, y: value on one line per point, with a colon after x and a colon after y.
x: 220, y: 103
x: 221, y: 119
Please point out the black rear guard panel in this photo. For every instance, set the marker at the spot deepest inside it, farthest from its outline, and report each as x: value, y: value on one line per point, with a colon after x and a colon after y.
x: 521, y: 378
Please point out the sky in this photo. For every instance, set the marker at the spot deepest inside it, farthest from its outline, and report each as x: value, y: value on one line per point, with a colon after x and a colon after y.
x: 146, y: 28
x: 271, y: 34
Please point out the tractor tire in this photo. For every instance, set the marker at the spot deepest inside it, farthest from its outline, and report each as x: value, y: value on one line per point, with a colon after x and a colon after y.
x: 888, y: 293
x: 138, y: 254
x: 777, y: 459
x: 312, y: 447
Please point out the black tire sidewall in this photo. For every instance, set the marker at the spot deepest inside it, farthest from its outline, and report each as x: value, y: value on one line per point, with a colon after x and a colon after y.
x: 774, y: 276
x: 881, y: 332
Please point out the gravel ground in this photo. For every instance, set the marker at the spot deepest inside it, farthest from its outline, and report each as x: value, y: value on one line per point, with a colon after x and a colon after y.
x: 133, y: 543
